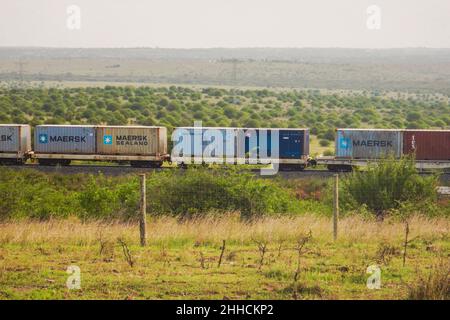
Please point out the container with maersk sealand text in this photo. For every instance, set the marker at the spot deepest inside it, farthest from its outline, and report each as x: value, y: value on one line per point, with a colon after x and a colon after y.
x: 132, y: 140
x: 64, y: 139
x: 368, y: 143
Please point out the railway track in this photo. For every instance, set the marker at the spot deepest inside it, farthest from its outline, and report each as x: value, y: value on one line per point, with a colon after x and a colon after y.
x: 117, y: 170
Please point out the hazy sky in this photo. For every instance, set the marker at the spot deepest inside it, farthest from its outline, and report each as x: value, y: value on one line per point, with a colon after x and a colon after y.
x: 225, y: 23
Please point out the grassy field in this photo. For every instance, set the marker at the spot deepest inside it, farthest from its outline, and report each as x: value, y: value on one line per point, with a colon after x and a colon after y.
x: 181, y: 260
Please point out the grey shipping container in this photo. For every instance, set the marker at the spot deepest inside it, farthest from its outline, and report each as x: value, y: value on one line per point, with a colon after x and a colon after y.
x: 368, y: 143
x: 64, y: 139
x: 15, y: 138
x: 132, y: 140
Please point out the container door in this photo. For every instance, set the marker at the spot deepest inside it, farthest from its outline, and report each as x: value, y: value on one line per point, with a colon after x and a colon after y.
x: 291, y: 144
x: 9, y: 139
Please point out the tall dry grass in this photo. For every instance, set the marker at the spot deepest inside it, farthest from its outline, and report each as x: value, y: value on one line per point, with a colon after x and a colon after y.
x: 216, y: 229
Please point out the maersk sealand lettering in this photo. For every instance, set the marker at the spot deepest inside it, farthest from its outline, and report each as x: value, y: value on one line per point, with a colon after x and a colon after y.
x: 77, y: 139
x: 372, y: 143
x: 132, y: 140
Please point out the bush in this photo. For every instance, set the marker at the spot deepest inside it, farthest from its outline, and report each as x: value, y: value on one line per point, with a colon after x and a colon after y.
x: 30, y: 194
x: 387, y: 185
x: 183, y: 193
x: 324, y: 143
x: 435, y: 286
x: 199, y: 191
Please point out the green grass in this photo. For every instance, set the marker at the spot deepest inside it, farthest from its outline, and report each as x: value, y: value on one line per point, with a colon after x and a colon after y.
x: 34, y: 257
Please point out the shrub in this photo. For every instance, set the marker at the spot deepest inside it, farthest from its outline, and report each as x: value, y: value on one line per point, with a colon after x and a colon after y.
x: 386, y: 185
x: 175, y: 192
x: 435, y: 286
x: 199, y: 191
x: 324, y: 143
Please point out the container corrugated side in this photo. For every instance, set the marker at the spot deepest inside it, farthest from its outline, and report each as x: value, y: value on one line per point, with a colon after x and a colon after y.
x: 292, y: 143
x: 306, y: 144
x: 15, y: 138
x: 65, y: 139
x: 186, y: 138
x: 131, y: 140
x: 427, y: 144
x: 368, y: 143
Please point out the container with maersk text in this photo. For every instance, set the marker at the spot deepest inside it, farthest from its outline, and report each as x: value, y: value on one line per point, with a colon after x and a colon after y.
x: 65, y: 139
x: 132, y: 140
x: 368, y: 143
x: 15, y: 138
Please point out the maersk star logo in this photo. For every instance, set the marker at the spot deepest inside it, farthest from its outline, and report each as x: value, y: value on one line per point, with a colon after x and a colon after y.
x: 107, y: 139
x: 345, y: 143
x: 43, y: 138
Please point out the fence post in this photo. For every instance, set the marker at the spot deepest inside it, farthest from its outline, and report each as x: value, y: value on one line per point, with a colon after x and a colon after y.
x: 336, y: 206
x: 143, y: 213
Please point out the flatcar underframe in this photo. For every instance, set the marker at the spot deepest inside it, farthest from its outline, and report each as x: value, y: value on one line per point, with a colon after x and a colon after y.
x: 336, y: 164
x: 65, y: 159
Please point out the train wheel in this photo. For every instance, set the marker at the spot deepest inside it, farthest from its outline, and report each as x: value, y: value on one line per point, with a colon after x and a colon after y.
x: 54, y: 162
x: 292, y: 167
x: 146, y: 164
x: 157, y: 164
x: 182, y: 165
x: 339, y: 168
x: 12, y: 162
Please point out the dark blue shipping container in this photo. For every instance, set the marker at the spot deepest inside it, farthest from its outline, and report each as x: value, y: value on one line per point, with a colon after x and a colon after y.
x: 292, y: 143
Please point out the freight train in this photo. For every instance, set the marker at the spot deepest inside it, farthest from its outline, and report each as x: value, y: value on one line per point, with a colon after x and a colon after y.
x: 147, y: 146
x: 358, y: 147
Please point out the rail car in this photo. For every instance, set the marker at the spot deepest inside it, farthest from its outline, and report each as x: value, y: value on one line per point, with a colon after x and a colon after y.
x: 146, y: 146
x: 287, y: 147
x: 359, y: 147
x: 15, y: 143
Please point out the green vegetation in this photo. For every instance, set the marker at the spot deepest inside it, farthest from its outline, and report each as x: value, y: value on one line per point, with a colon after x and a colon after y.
x: 389, y: 184
x: 181, y: 106
x: 173, y: 192
x: 202, y: 191
x: 181, y: 259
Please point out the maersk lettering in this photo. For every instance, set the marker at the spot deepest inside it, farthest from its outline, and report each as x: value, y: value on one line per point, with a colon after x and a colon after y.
x: 132, y: 140
x: 77, y: 139
x: 5, y: 138
x: 372, y: 143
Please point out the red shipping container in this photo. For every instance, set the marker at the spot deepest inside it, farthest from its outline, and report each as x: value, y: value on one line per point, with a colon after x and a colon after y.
x: 427, y: 144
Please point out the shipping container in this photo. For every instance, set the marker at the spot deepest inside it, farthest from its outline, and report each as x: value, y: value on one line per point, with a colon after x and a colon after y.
x: 368, y: 143
x: 132, y: 140
x: 292, y: 143
x: 208, y: 143
x: 254, y: 143
x: 427, y: 144
x: 65, y: 139
x: 15, y: 138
